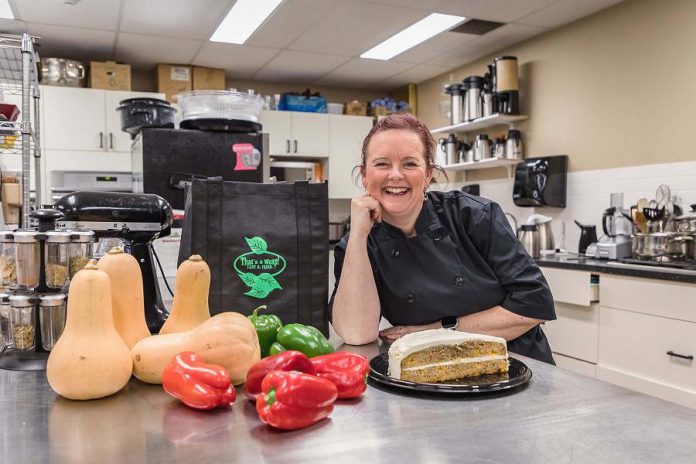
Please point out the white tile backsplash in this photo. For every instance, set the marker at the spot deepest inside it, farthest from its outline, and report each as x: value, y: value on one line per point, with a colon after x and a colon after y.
x: 588, y: 194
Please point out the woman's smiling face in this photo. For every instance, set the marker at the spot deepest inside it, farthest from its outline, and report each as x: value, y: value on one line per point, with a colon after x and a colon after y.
x: 396, y: 173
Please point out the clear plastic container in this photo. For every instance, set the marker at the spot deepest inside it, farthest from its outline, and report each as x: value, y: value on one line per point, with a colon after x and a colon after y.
x: 22, y: 309
x: 80, y: 250
x: 56, y: 258
x: 51, y: 318
x: 27, y: 259
x: 5, y: 326
x: 220, y: 104
x: 8, y: 266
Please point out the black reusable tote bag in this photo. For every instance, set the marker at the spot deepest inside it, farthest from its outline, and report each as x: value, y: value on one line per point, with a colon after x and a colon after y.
x: 264, y: 243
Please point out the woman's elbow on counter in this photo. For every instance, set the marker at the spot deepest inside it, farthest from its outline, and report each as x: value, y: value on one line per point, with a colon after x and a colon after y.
x: 357, y: 338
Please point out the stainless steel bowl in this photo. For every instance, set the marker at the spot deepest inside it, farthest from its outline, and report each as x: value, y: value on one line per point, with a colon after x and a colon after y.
x: 61, y: 71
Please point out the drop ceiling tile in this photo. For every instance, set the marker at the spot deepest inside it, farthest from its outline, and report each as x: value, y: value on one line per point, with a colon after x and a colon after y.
x: 415, y: 75
x: 97, y: 14
x: 494, y: 41
x: 144, y: 51
x: 298, y: 66
x: 289, y: 21
x: 355, y: 26
x: 13, y: 26
x: 430, y: 5
x: 74, y: 43
x: 495, y: 10
x: 434, y: 47
x: 565, y: 11
x: 184, y: 19
x: 239, y: 61
x: 362, y: 71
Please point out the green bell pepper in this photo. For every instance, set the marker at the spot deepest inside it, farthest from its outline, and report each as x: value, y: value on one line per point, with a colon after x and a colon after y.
x: 305, y: 338
x: 267, y: 327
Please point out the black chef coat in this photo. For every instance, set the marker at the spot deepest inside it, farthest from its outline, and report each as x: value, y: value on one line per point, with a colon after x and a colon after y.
x: 463, y: 259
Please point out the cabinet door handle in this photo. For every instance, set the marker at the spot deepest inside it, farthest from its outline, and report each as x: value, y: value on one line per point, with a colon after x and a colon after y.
x: 101, y: 140
x: 111, y: 140
x: 295, y: 145
x: 683, y: 356
x: 287, y: 146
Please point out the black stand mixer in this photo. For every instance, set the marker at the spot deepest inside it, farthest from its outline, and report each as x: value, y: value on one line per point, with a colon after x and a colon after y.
x: 137, y: 219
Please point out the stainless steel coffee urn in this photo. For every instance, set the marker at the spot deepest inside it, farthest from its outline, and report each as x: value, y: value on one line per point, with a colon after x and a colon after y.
x: 451, y: 148
x: 529, y: 236
x: 513, y: 145
x: 455, y: 91
x: 474, y: 105
x: 482, y: 147
x: 506, y: 84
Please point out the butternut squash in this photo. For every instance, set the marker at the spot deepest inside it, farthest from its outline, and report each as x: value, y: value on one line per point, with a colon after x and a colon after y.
x: 127, y: 300
x: 190, y: 305
x: 90, y: 360
x: 227, y: 339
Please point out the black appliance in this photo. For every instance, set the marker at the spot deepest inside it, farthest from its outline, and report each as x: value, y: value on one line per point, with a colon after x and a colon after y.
x: 164, y: 161
x: 541, y: 182
x: 137, y: 219
x: 588, y: 236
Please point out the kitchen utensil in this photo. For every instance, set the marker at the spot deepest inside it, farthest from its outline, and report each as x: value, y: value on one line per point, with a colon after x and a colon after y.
x: 474, y: 87
x: 137, y: 113
x: 543, y: 223
x: 588, y: 235
x: 456, y: 93
x: 220, y: 105
x: 529, y: 237
x: 482, y: 147
x: 513, y: 145
x: 61, y: 71
x: 653, y: 214
x: 663, y: 195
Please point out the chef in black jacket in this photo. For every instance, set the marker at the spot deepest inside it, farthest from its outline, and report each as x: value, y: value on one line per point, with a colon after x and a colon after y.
x: 427, y: 260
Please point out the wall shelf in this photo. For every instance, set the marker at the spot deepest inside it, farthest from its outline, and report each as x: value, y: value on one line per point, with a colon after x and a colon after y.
x: 481, y: 123
x: 489, y: 163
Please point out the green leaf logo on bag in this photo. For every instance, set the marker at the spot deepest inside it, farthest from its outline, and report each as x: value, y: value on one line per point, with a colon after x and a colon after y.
x: 258, y: 268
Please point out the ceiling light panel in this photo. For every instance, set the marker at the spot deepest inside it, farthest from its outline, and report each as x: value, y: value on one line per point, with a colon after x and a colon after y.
x: 243, y: 19
x: 419, y: 32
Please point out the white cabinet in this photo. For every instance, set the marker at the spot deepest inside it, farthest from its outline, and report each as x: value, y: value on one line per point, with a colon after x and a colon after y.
x: 296, y: 134
x: 85, y: 119
x: 346, y: 134
x: 573, y: 335
x: 647, y: 337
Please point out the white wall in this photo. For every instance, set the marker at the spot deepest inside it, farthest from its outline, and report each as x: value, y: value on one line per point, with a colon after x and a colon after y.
x: 588, y: 194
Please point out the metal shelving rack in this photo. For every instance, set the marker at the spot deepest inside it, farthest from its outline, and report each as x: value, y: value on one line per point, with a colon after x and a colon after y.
x: 19, y: 76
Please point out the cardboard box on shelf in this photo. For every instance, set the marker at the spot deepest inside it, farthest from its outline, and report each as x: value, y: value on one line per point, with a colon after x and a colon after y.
x: 356, y: 108
x: 173, y: 79
x: 208, y: 78
x: 109, y: 75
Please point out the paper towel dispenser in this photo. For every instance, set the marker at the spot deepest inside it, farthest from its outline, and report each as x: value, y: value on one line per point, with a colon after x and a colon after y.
x: 541, y: 182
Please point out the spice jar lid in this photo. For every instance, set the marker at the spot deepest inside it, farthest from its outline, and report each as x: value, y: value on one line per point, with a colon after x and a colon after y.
x: 26, y: 236
x: 81, y: 236
x: 6, y: 237
x: 55, y: 236
x: 22, y: 300
x: 52, y: 299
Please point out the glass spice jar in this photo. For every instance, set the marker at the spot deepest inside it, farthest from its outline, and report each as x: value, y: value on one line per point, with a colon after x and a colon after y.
x: 27, y: 258
x: 80, y: 250
x: 5, y: 326
x: 22, y: 309
x: 56, y: 258
x: 51, y: 318
x: 8, y: 266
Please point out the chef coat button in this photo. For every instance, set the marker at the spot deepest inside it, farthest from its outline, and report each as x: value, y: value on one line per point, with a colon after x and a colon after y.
x: 410, y: 298
x: 437, y: 237
x: 459, y: 281
x: 396, y: 253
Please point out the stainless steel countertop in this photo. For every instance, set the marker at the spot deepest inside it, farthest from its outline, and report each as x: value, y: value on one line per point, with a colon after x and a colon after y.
x: 559, y: 417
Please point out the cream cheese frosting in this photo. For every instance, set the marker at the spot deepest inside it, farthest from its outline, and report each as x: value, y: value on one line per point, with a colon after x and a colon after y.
x: 418, y: 341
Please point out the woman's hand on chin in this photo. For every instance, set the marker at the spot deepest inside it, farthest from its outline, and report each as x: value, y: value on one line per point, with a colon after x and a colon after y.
x: 394, y: 333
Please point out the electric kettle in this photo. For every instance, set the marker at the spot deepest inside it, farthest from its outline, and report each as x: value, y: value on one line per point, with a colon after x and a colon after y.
x: 543, y: 223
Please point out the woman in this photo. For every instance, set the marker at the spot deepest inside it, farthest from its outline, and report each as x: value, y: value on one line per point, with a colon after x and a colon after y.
x: 426, y: 260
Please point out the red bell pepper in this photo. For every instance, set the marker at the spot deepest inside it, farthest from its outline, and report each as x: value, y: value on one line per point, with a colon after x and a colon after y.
x: 348, y: 371
x: 293, y: 400
x: 290, y: 360
x: 197, y: 384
